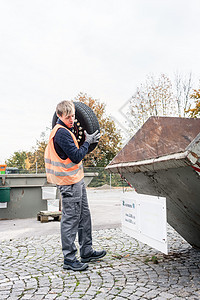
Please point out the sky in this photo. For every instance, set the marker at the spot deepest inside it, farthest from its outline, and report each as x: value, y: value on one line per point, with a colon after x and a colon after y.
x: 52, y: 50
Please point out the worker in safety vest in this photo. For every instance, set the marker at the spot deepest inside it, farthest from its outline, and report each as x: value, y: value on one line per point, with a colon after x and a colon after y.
x: 63, y: 163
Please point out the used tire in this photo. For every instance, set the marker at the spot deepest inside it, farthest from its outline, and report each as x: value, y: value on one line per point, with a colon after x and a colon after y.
x: 85, y: 120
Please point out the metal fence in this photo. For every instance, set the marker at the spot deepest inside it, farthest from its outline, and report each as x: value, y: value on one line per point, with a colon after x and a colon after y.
x: 105, y: 178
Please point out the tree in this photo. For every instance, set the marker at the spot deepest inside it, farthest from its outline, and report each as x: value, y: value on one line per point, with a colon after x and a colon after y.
x: 153, y: 98
x: 195, y: 112
x: 158, y: 97
x: 182, y: 91
x: 18, y: 159
x: 36, y: 156
x: 110, y: 141
x: 27, y: 160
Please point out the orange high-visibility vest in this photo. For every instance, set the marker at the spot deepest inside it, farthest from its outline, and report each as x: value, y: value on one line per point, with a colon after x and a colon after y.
x: 61, y: 171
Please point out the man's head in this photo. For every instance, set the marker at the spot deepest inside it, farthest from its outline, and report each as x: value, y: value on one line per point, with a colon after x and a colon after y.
x: 65, y: 110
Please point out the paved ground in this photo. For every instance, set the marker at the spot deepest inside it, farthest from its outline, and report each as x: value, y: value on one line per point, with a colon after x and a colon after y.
x: 105, y: 211
x: 31, y: 265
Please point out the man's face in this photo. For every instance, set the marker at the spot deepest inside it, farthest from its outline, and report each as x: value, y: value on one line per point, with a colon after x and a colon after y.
x: 69, y: 119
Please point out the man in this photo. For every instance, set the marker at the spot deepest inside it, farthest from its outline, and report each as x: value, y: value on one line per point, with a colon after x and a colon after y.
x: 63, y: 162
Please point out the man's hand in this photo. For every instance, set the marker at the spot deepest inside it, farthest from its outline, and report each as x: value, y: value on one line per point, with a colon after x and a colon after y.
x: 92, y: 138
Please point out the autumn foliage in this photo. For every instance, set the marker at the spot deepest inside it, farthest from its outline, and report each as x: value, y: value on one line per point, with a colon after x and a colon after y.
x: 195, y: 112
x: 18, y: 160
x: 110, y: 141
x: 36, y: 156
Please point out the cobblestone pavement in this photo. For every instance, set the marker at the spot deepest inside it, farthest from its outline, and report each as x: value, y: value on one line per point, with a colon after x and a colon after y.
x: 31, y: 268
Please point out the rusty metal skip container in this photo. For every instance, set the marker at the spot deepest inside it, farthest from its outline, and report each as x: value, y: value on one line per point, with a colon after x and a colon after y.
x: 163, y: 159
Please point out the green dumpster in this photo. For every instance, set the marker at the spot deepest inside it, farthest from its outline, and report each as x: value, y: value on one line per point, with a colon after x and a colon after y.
x: 5, y: 194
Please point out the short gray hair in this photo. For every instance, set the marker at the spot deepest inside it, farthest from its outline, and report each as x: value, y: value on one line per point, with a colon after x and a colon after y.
x: 65, y: 107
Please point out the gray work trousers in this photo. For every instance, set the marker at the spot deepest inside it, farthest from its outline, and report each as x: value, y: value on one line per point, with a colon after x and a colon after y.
x: 75, y: 219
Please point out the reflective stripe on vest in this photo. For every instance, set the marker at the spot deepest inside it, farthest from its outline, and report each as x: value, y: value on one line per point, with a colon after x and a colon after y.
x: 69, y: 173
x: 59, y: 171
x: 59, y: 164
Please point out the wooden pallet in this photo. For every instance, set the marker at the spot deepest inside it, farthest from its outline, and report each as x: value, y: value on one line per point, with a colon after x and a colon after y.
x: 43, y: 216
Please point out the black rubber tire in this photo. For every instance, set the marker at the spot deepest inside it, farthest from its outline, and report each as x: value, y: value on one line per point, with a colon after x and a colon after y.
x: 85, y: 120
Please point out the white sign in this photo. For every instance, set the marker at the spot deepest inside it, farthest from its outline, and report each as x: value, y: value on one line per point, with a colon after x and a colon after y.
x: 3, y: 204
x: 144, y: 218
x: 49, y: 192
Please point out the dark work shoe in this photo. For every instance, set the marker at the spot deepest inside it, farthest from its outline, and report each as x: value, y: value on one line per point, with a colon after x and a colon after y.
x: 94, y: 256
x: 75, y: 265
